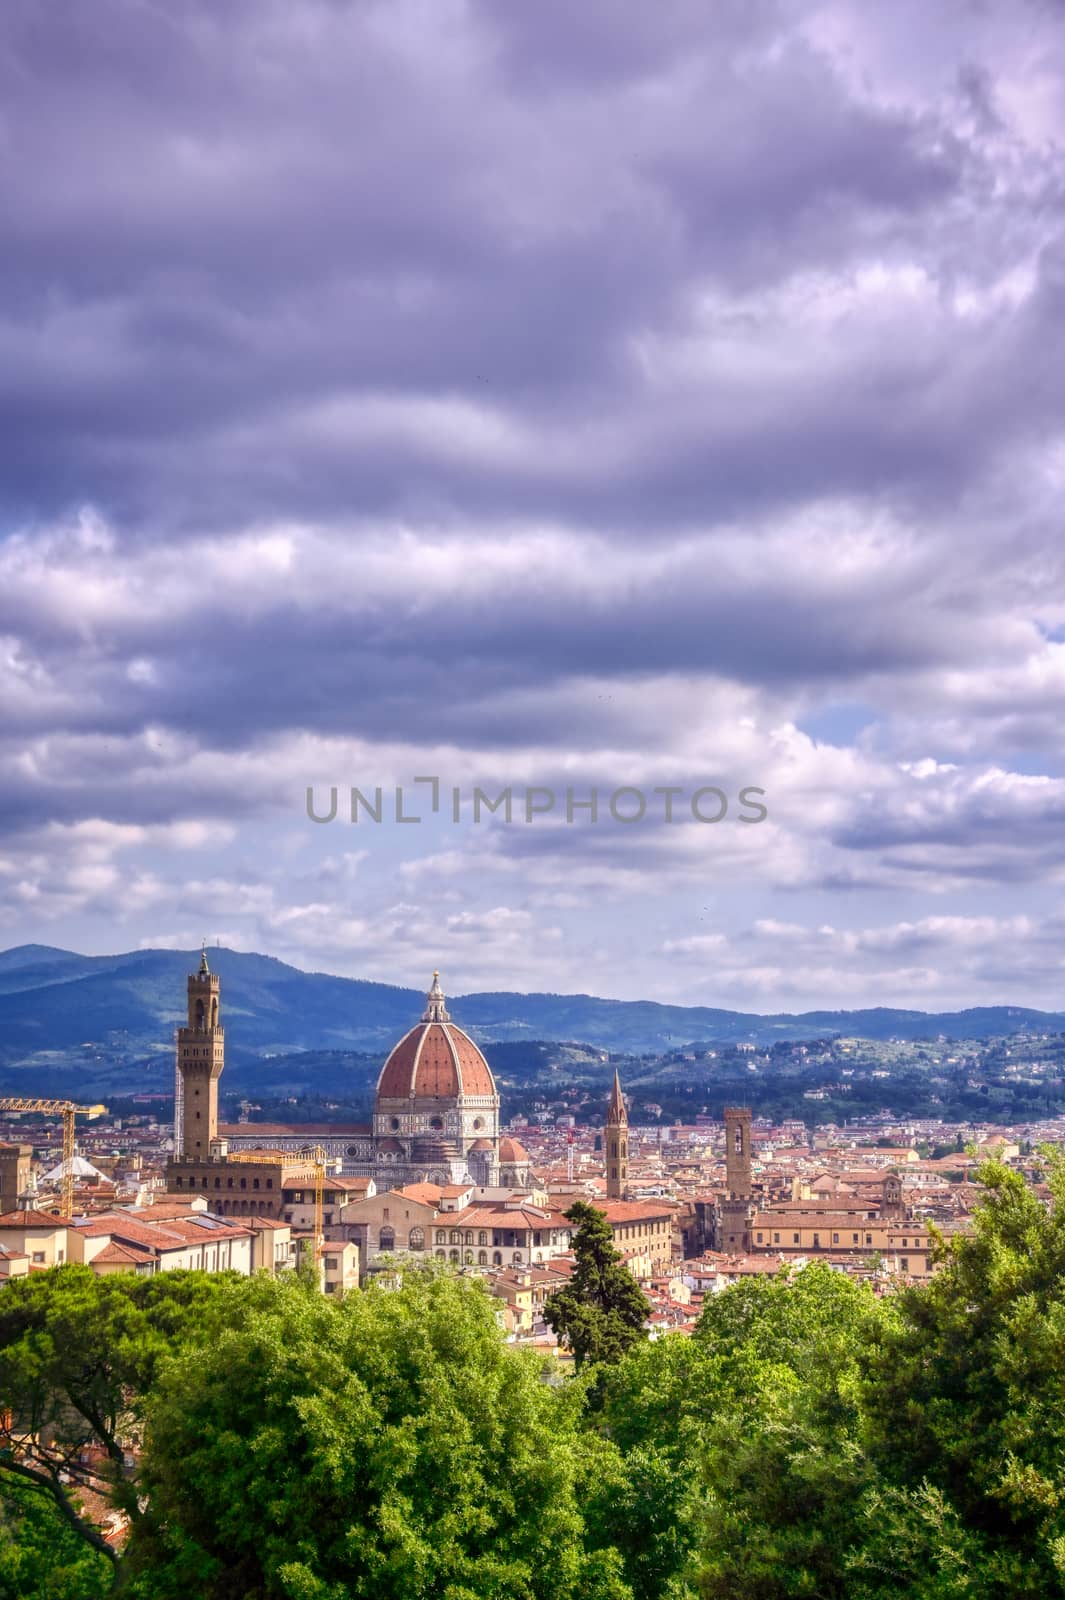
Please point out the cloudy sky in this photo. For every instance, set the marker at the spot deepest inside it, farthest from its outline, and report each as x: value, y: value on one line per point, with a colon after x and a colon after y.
x: 539, y: 395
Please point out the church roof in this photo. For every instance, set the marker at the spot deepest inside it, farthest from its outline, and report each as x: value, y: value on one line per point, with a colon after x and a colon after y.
x: 512, y: 1151
x: 436, y: 1060
x: 616, y: 1110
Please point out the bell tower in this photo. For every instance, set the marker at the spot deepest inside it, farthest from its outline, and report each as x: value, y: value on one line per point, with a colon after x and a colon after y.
x: 736, y: 1209
x: 200, y: 1059
x: 616, y: 1143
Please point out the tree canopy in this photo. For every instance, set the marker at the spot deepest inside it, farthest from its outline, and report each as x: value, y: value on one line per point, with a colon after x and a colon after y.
x: 385, y: 1447
x: 808, y: 1440
x: 78, y: 1356
x: 601, y: 1311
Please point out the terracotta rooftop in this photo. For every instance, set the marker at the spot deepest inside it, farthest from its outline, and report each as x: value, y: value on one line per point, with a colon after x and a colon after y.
x: 636, y: 1210
x: 32, y: 1219
x: 120, y: 1255
x: 427, y: 1194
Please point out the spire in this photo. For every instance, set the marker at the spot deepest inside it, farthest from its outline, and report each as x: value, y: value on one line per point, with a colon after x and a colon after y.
x: 204, y: 968
x: 616, y: 1113
x: 435, y: 1007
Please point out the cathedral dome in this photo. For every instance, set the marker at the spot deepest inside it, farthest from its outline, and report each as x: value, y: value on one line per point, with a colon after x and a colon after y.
x: 435, y: 1060
x: 512, y: 1153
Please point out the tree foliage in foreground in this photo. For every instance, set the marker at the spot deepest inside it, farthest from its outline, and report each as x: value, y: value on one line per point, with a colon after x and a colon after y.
x: 78, y: 1356
x: 600, y: 1313
x: 387, y: 1447
x: 808, y: 1441
x: 42, y: 1557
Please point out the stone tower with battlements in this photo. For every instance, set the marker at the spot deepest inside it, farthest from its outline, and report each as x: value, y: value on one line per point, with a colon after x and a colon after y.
x: 200, y: 1059
x: 616, y: 1143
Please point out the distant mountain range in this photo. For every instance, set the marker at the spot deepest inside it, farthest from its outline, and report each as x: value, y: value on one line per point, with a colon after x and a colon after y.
x: 67, y: 1021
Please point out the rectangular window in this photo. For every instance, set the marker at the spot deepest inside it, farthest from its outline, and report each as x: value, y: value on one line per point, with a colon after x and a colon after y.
x: 796, y: 1238
x: 835, y: 1238
x: 759, y: 1238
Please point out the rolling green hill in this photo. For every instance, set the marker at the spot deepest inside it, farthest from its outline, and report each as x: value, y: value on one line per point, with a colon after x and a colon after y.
x: 75, y: 1023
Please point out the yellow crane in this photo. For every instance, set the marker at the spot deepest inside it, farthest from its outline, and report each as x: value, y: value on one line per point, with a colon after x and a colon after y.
x: 68, y: 1111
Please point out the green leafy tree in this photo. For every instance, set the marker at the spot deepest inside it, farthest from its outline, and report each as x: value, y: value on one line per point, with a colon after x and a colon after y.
x: 388, y: 1447
x: 78, y: 1354
x: 964, y: 1392
x: 781, y: 1469
x: 41, y: 1556
x: 602, y: 1311
x: 656, y: 1404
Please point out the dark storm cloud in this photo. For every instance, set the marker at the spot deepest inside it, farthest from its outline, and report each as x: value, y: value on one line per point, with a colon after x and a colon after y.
x: 219, y: 217
x: 577, y: 392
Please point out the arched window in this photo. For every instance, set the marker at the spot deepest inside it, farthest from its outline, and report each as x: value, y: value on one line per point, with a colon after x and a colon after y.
x: 469, y: 1235
x: 441, y: 1255
x: 436, y: 1122
x: 454, y: 1255
x: 482, y: 1237
x: 214, y: 1013
x: 416, y: 1238
x: 614, y: 1148
x: 178, y: 1182
x: 244, y: 1183
x: 497, y: 1259
x: 482, y: 1258
x: 517, y: 1258
x: 218, y: 1183
x: 199, y: 1013
x: 469, y: 1258
x: 456, y: 1237
x: 387, y: 1238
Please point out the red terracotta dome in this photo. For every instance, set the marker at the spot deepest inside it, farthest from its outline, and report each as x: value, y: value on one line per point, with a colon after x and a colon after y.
x: 435, y: 1060
x: 512, y: 1153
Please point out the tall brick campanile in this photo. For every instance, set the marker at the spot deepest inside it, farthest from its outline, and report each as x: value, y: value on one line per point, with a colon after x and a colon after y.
x: 736, y: 1211
x: 616, y: 1143
x: 738, y: 1152
x: 200, y: 1059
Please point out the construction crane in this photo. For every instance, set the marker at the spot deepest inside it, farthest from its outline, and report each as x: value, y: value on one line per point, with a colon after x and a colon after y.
x: 68, y: 1111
